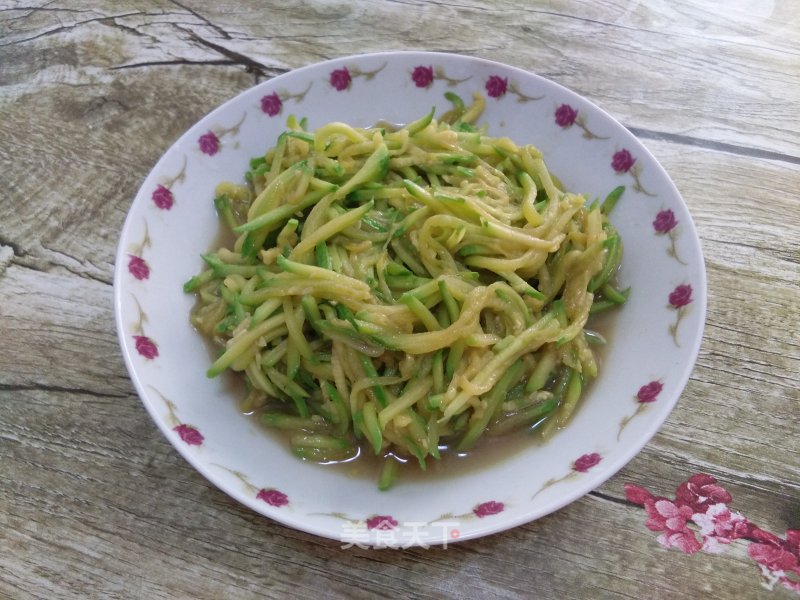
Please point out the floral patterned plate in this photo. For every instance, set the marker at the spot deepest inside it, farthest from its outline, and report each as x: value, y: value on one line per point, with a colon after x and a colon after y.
x: 654, y: 341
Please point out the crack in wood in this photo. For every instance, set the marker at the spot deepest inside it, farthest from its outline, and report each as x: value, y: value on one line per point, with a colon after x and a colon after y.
x: 38, y: 9
x: 73, y: 269
x: 5, y: 387
x: 90, y: 276
x: 251, y: 65
x: 42, y: 265
x: 15, y: 248
x: 214, y: 26
x: 609, y: 498
x: 688, y: 140
x: 177, y: 61
x: 63, y: 28
x: 6, y: 258
x: 112, y: 22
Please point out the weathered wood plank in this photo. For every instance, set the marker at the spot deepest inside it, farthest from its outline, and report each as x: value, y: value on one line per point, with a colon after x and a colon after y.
x: 136, y: 521
x: 58, y: 333
x: 95, y: 503
x: 654, y: 54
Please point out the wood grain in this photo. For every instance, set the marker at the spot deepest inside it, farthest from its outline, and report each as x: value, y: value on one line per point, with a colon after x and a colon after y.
x: 95, y: 503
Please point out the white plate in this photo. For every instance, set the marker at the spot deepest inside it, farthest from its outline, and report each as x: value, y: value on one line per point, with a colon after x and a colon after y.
x: 653, y: 345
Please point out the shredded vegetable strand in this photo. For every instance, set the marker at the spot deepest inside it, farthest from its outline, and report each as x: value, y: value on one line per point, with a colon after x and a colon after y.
x: 404, y: 288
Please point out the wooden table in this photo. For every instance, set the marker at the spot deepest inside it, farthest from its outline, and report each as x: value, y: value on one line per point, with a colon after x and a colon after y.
x: 95, y: 503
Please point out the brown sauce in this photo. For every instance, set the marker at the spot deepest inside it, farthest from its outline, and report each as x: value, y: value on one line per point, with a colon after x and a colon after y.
x: 488, y: 451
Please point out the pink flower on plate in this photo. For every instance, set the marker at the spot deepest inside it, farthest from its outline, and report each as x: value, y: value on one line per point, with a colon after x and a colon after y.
x: 189, y: 434
x: 209, y: 143
x: 586, y: 462
x: 381, y: 522
x: 273, y: 497
x: 340, y: 79
x: 138, y: 267
x: 665, y: 221
x: 422, y: 76
x: 679, y: 299
x: 700, y: 492
x: 146, y: 347
x: 566, y: 115
x: 496, y: 86
x: 681, y: 296
x: 649, y: 393
x: 486, y: 509
x: 163, y: 198
x: 664, y: 224
x: 622, y: 161
x: 271, y: 104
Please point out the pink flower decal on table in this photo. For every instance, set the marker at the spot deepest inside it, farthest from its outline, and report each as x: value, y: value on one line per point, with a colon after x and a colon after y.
x: 342, y: 79
x: 137, y: 265
x: 381, y: 522
x: 485, y: 509
x: 210, y: 142
x: 778, y: 559
x: 719, y: 526
x: 497, y: 87
x: 664, y: 224
x: 700, y: 492
x: 162, y: 195
x: 566, y: 117
x: 624, y: 162
x: 679, y: 300
x: 667, y: 517
x: 582, y: 464
x: 700, y: 520
x: 272, y: 104
x: 272, y: 497
x: 189, y: 434
x: 647, y: 394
